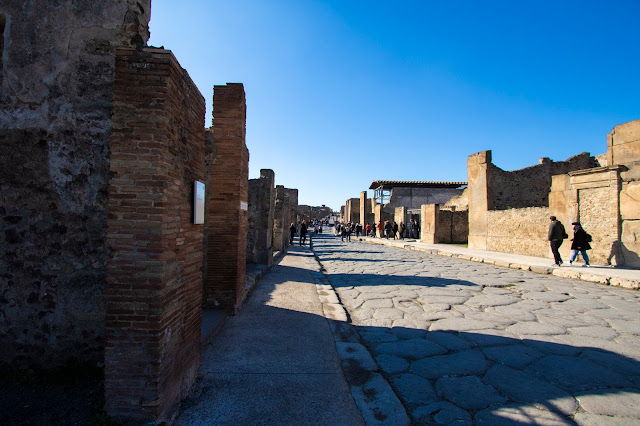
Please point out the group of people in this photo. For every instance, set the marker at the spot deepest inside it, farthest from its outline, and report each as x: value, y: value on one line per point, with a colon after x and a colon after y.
x: 579, y: 242
x: 388, y: 229
x: 303, y: 229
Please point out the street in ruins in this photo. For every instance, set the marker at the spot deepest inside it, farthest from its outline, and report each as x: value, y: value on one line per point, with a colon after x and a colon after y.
x: 470, y: 343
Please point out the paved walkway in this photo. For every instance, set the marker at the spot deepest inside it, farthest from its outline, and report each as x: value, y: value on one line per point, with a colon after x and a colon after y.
x: 471, y: 343
x: 276, y: 361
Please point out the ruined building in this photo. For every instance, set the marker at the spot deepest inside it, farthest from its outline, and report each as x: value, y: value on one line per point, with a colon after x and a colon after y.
x: 123, y: 221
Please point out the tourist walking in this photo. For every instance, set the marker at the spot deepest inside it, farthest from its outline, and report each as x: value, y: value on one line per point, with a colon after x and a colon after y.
x: 292, y: 233
x: 388, y: 229
x: 556, y: 235
x: 402, y: 230
x: 580, y: 244
x: 367, y: 229
x: 303, y: 233
x: 395, y: 230
x: 379, y: 229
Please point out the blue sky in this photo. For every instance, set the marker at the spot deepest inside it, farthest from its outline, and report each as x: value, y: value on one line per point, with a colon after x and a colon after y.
x: 341, y: 93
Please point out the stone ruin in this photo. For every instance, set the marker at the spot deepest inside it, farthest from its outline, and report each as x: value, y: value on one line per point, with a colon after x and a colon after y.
x: 101, y: 142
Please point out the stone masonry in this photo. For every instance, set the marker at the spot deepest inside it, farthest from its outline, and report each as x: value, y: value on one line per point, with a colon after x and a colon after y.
x: 226, y: 231
x: 154, y: 277
x: 260, y: 218
x: 56, y: 91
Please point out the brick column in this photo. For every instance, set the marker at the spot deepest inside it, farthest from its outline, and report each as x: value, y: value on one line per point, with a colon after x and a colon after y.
x: 154, y: 278
x: 226, y: 226
x: 479, y: 198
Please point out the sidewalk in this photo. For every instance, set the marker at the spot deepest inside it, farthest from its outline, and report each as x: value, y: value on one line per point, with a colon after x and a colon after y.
x: 619, y: 277
x: 276, y: 361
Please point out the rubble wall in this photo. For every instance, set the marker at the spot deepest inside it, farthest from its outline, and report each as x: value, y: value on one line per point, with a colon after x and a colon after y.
x: 56, y: 100
x: 260, y: 218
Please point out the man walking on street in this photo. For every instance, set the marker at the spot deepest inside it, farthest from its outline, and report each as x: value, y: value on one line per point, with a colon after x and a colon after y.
x: 303, y: 233
x: 555, y: 236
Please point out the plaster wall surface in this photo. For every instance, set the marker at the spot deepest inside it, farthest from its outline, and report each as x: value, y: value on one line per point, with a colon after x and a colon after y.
x: 414, y: 198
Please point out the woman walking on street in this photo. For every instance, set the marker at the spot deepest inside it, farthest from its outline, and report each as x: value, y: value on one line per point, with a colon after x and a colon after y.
x: 580, y: 243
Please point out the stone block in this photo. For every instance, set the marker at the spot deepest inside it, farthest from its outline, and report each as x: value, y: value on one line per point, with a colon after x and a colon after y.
x: 630, y: 201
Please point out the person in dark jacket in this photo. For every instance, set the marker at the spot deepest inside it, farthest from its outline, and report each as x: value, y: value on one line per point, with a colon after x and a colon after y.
x: 388, y: 229
x: 303, y: 233
x: 556, y: 235
x: 580, y: 244
x: 395, y: 230
x: 292, y: 232
x: 402, y: 230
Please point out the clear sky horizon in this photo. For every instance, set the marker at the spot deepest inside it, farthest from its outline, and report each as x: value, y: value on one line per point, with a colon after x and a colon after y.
x: 341, y: 93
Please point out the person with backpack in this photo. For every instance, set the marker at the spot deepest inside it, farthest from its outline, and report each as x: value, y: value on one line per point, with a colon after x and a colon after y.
x: 556, y: 235
x: 580, y: 244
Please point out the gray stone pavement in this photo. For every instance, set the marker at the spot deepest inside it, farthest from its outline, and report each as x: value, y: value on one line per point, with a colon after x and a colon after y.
x: 276, y: 361
x: 460, y: 342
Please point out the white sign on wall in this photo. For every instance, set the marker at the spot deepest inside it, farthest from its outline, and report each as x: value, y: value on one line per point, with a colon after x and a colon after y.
x: 198, y: 203
x: 244, y: 205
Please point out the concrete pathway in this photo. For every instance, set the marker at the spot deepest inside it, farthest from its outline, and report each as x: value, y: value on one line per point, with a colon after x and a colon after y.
x: 462, y: 342
x: 276, y: 361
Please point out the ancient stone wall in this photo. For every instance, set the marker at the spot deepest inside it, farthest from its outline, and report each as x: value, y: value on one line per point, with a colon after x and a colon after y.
x: 521, y: 231
x: 439, y: 225
x: 400, y: 215
x: 56, y: 91
x: 154, y: 272
x: 352, y: 210
x: 260, y: 218
x: 413, y: 198
x: 624, y: 149
x: 366, y: 213
x: 280, y: 219
x: 226, y: 230
x: 292, y: 194
x: 529, y: 187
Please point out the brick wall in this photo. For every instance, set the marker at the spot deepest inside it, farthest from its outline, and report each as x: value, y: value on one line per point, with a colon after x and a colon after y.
x: 261, y: 200
x: 226, y: 229
x: 154, y: 279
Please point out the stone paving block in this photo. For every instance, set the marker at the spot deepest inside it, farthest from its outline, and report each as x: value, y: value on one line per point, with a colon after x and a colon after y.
x: 489, y: 317
x: 541, y: 270
x: 630, y: 327
x: 586, y: 419
x: 622, y: 364
x: 378, y: 336
x: 468, y: 392
x: 441, y: 413
x: 605, y: 333
x: 532, y: 327
x: 391, y: 363
x: 344, y: 332
x: 516, y: 356
x: 611, y: 402
x: 388, y: 313
x: 378, y: 403
x: 519, y: 266
x: 487, y: 338
x: 411, y: 349
x: 502, y: 263
x: 441, y: 299
x: 550, y: 345
x: 514, y: 414
x: 525, y: 388
x: 413, y: 389
x: 576, y: 374
x: 357, y: 353
x: 547, y: 296
x: 462, y: 324
x: 516, y: 313
x: 408, y: 333
x: 459, y: 364
x: 448, y: 340
x: 377, y: 304
x: 485, y: 301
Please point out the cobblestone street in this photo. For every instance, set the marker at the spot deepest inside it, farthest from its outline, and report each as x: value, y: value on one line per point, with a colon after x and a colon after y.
x: 469, y: 343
